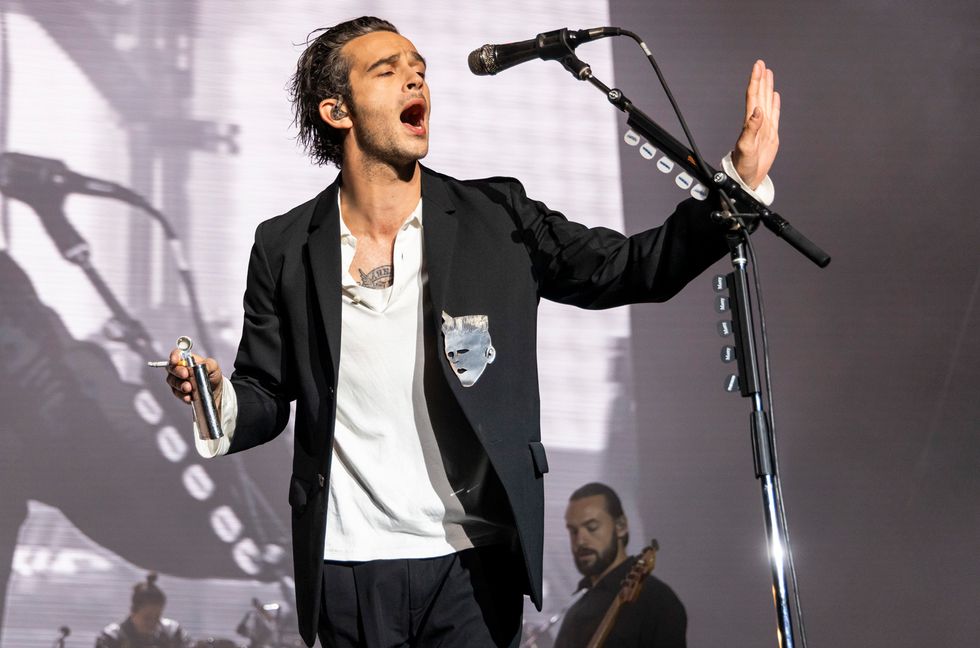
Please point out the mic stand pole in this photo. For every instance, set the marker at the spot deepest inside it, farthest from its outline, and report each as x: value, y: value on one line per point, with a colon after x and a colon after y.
x: 75, y: 249
x: 761, y: 433
x: 763, y: 449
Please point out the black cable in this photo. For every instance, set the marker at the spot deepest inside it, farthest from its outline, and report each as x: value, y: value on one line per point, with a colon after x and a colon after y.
x: 670, y: 97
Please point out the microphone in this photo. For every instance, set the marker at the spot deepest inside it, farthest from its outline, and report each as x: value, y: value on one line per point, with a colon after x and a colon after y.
x: 548, y: 46
x: 29, y: 178
x: 43, y: 184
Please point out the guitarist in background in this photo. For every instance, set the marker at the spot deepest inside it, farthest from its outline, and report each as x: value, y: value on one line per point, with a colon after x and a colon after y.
x: 599, y: 531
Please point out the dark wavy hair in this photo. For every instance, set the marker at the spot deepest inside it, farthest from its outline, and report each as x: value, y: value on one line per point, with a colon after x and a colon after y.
x: 614, y: 507
x: 147, y: 593
x: 322, y: 71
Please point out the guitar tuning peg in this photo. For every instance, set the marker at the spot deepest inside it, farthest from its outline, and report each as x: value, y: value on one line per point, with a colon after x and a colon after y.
x: 719, y: 283
x: 722, y: 303
x: 725, y: 328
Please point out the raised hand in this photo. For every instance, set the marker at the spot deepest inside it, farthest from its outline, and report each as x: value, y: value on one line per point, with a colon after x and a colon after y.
x: 756, y: 147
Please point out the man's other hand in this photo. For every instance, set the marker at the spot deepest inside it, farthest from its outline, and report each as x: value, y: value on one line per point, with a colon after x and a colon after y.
x: 756, y: 147
x: 178, y: 377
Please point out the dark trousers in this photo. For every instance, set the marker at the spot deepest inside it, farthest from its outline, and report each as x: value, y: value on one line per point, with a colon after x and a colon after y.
x: 468, y: 599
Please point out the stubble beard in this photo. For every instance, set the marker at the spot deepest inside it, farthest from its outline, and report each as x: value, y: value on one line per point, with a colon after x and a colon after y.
x: 384, y: 145
x: 604, y: 558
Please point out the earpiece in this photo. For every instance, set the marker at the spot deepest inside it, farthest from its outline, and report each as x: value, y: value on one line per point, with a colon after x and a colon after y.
x: 337, y: 112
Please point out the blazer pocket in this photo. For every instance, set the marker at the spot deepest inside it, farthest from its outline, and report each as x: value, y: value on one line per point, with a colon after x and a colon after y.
x: 299, y: 492
x: 539, y: 457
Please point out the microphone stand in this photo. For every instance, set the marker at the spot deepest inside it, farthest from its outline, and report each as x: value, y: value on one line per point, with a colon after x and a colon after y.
x: 738, y: 200
x: 75, y: 249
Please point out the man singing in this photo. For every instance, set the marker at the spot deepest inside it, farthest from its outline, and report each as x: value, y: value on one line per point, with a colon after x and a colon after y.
x: 398, y: 310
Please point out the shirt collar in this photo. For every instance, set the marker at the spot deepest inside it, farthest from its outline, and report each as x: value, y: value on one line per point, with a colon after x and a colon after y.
x: 412, y: 220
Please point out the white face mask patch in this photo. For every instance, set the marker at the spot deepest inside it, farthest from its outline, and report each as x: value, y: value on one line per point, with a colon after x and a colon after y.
x: 468, y: 346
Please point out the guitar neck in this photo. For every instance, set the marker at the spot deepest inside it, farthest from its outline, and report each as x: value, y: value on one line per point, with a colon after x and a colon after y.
x: 627, y: 594
x: 606, y: 625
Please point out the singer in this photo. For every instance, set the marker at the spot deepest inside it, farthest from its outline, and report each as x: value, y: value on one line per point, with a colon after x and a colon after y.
x: 398, y: 310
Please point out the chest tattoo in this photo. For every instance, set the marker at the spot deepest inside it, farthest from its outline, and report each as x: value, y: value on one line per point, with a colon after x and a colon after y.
x: 380, y: 277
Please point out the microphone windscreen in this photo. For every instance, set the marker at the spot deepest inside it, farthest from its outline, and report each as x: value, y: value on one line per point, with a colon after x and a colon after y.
x: 477, y: 61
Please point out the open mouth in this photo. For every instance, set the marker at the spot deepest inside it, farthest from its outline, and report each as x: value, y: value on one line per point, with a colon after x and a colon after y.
x: 413, y: 116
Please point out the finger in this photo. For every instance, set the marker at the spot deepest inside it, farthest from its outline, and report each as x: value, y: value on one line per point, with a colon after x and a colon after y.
x: 752, y: 91
x: 179, y: 386
x: 760, y: 95
x: 176, y: 365
x: 178, y: 371
x: 754, y: 122
x: 770, y: 82
x: 212, y: 366
x: 181, y: 395
x: 776, y: 102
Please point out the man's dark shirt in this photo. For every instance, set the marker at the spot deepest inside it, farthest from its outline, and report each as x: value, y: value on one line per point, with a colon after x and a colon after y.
x: 656, y: 619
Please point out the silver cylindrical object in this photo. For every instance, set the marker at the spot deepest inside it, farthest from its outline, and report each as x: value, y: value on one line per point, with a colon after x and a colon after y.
x: 202, y: 397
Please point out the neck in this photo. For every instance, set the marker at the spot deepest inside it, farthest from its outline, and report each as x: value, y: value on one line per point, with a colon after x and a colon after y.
x: 376, y: 197
x: 620, y: 559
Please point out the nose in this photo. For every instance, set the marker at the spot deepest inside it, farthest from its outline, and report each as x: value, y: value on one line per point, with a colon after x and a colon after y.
x: 415, y: 81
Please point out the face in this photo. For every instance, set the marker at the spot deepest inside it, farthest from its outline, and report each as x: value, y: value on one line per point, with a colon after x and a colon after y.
x: 390, y: 112
x: 468, y: 346
x: 147, y: 618
x: 594, y: 535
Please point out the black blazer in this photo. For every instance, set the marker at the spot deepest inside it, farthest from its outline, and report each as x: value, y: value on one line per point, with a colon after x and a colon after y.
x: 488, y: 250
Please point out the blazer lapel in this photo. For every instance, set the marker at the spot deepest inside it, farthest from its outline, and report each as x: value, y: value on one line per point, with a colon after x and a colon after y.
x: 323, y: 248
x: 439, y: 224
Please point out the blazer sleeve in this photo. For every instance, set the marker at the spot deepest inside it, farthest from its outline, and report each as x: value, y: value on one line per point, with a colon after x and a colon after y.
x: 262, y: 379
x: 601, y: 268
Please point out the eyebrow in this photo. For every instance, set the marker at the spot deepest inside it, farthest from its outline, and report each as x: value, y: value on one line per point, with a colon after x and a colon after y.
x: 572, y: 526
x: 391, y: 60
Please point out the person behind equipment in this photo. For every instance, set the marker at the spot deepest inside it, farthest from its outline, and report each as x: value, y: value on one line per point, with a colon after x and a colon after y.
x: 145, y: 627
x: 261, y: 625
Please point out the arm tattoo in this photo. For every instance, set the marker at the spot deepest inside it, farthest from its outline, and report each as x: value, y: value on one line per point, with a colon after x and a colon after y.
x: 380, y: 277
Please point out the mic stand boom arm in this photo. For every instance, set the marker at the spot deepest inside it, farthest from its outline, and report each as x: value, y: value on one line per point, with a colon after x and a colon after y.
x: 685, y: 158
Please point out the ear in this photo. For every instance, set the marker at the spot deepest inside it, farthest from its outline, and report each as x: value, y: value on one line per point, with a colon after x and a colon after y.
x: 622, y: 527
x: 333, y: 112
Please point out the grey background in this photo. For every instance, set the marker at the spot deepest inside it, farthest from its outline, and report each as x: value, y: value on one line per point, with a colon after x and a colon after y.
x: 874, y: 359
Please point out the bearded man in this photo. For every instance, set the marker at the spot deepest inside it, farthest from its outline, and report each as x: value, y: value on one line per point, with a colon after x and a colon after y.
x: 598, y: 531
